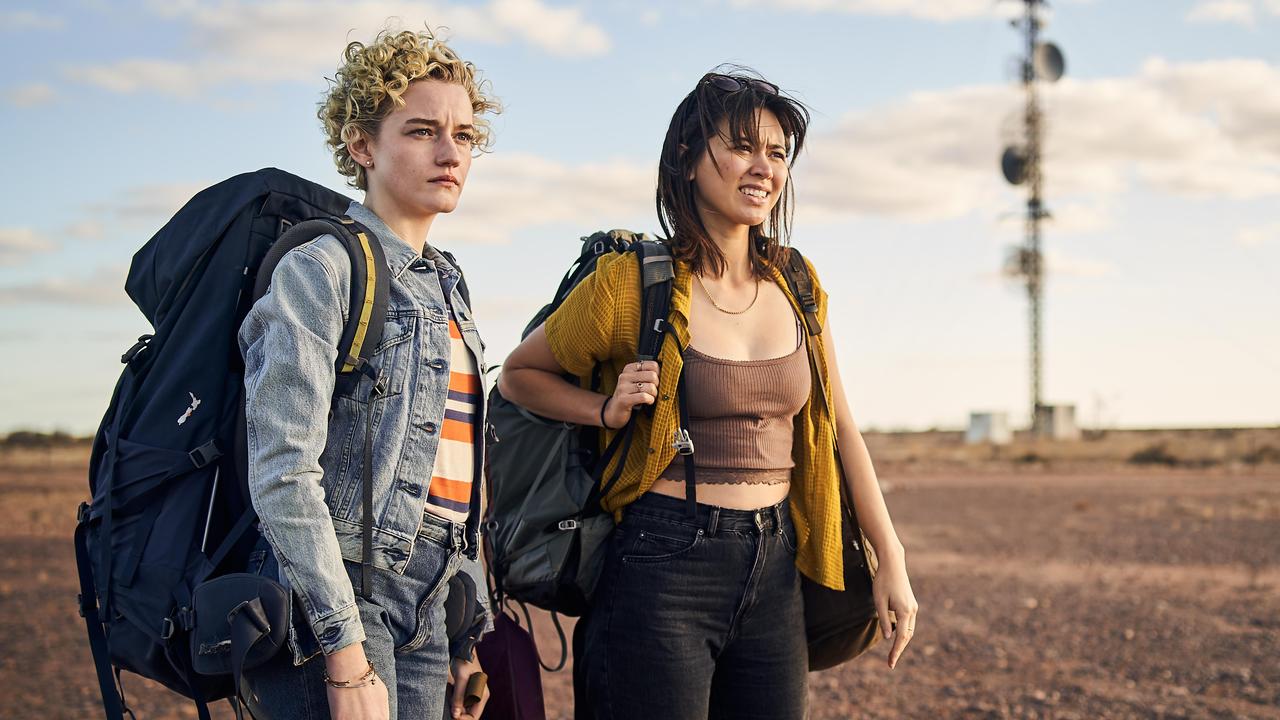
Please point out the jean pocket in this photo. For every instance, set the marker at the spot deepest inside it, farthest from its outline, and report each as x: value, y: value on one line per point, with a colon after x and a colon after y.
x: 658, y: 544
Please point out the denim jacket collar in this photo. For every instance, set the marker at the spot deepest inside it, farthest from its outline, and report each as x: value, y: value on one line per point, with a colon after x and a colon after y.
x: 400, y: 255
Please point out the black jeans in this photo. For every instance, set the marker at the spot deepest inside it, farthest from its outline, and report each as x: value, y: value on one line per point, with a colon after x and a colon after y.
x: 698, y: 618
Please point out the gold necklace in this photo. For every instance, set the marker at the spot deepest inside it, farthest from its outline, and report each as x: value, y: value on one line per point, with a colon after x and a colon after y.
x: 716, y: 305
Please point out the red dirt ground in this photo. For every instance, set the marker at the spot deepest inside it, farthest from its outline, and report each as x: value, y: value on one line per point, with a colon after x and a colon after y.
x: 1083, y: 594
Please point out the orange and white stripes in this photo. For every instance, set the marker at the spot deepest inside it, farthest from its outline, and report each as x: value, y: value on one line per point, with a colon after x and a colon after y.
x: 450, y: 493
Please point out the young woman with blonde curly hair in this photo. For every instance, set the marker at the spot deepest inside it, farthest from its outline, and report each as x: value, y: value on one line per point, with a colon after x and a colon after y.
x: 699, y: 614
x: 402, y: 120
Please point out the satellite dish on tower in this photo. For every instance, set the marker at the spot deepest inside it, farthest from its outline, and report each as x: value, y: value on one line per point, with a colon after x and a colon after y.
x: 1048, y: 62
x: 1013, y: 163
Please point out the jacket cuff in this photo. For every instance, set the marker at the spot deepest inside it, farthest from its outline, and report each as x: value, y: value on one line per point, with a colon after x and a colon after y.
x: 339, y: 629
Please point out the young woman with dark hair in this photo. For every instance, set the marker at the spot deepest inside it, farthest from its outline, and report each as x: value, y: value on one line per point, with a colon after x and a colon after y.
x: 701, y: 616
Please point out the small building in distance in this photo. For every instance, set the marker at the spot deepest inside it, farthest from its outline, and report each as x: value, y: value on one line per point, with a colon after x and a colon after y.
x: 990, y: 428
x: 1057, y: 422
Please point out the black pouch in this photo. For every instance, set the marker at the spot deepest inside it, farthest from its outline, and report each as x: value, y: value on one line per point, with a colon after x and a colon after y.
x: 840, y: 626
x: 241, y: 621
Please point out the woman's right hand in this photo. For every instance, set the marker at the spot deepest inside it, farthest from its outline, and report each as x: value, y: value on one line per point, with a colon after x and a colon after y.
x: 366, y: 702
x: 637, y: 385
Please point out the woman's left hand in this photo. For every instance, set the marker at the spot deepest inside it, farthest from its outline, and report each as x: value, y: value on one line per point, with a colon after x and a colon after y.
x: 460, y: 673
x: 892, y: 592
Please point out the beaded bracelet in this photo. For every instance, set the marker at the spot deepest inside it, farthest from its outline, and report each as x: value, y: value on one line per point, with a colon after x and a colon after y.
x: 368, y: 678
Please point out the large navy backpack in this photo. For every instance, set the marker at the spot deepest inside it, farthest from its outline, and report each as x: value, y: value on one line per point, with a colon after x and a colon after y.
x: 170, y: 505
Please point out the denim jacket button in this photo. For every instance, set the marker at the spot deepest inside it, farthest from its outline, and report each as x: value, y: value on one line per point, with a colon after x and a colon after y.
x: 411, y: 488
x: 437, y: 363
x: 430, y: 427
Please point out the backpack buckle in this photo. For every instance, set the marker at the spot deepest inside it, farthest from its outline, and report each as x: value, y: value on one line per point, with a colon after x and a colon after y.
x: 204, y: 454
x: 683, y: 443
x: 166, y: 629
x: 568, y: 524
x: 186, y: 618
x: 82, y: 513
x: 131, y: 353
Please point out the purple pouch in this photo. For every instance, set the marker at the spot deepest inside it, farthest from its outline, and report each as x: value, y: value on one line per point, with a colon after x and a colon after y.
x: 509, y: 657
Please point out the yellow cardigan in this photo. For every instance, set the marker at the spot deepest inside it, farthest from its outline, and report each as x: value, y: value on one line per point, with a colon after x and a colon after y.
x: 599, y: 323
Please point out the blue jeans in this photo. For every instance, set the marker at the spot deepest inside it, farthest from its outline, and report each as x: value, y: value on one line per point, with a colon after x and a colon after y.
x: 405, y: 638
x: 698, y: 617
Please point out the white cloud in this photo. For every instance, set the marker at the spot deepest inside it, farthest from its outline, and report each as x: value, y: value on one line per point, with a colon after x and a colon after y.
x: 102, y: 288
x: 27, y: 96
x: 558, y: 31
x: 924, y: 158
x: 1258, y: 235
x: 146, y: 203
x: 938, y: 10
x: 1239, y: 12
x: 26, y: 20
x: 131, y: 76
x: 17, y: 244
x: 509, y: 194
x: 289, y: 41
x: 85, y: 230
x: 1192, y: 129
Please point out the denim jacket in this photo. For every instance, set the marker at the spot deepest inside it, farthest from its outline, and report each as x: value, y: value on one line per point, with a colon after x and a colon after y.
x: 306, y: 445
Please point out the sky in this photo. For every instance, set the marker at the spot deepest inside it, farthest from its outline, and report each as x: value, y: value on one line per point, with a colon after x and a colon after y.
x: 1162, y: 173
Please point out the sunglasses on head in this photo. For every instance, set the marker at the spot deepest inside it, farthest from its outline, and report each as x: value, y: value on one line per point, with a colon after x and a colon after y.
x: 731, y: 84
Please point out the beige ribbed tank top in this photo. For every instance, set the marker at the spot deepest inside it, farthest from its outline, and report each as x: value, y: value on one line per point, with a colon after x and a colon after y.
x: 741, y: 415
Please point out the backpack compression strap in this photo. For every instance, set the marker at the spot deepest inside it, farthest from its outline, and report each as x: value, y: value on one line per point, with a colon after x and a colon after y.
x: 796, y: 272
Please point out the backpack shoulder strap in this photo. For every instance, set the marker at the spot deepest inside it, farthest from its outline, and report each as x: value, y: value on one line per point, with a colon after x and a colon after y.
x: 370, y: 286
x: 656, y: 275
x: 370, y: 293
x: 796, y: 272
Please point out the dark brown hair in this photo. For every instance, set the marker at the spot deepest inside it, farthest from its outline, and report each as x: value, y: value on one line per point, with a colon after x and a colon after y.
x: 697, y: 119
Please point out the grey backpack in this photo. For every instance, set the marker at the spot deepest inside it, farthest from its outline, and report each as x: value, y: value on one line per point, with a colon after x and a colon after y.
x: 545, y: 529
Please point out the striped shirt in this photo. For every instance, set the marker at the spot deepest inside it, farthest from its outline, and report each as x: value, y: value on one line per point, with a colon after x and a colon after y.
x: 449, y: 496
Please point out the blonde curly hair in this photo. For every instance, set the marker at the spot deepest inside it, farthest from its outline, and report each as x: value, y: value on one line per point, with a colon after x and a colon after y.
x: 374, y: 77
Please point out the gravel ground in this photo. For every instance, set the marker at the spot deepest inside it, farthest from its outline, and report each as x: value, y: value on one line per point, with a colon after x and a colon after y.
x: 1044, y: 594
